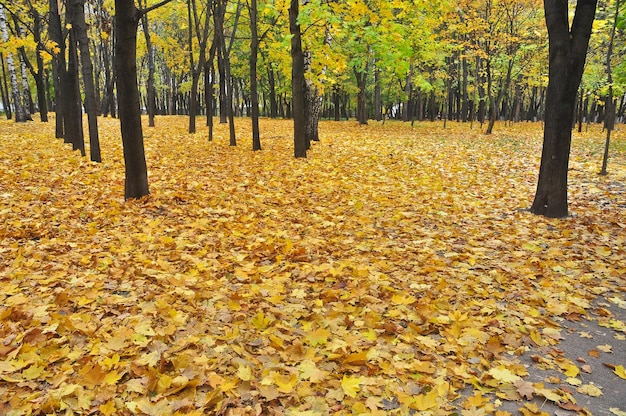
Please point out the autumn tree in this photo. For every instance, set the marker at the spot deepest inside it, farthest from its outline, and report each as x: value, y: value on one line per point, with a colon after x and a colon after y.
x: 254, y: 90
x: 127, y: 17
x: 79, y: 24
x: 198, y: 29
x: 297, y: 81
x: 567, y: 53
x: 18, y: 106
x: 610, y: 104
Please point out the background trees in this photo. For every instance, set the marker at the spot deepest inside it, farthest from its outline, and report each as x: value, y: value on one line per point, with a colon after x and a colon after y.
x: 473, y: 60
x: 411, y: 60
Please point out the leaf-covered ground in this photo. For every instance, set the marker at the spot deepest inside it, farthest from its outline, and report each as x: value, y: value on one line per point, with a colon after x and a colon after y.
x: 392, y: 269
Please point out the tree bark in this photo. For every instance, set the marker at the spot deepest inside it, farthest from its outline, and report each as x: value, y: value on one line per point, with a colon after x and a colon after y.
x: 297, y: 81
x: 567, y: 54
x: 4, y: 88
x: 609, y: 120
x: 136, y: 172
x: 19, y: 110
x: 254, y: 93
x: 361, y: 80
x: 91, y: 104
x: 151, y: 98
x: 196, y: 70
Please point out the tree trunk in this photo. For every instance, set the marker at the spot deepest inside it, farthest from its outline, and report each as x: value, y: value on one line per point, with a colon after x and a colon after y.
x: 218, y: 23
x: 496, y: 105
x: 19, y: 110
x: 151, y: 98
x: 91, y: 104
x: 39, y: 72
x: 136, y: 174
x: 271, y: 81
x: 4, y: 89
x: 297, y: 82
x: 407, y: 95
x: 361, y: 80
x: 609, y: 120
x: 72, y: 105
x: 254, y: 93
x: 209, y: 83
x: 196, y: 70
x: 567, y: 53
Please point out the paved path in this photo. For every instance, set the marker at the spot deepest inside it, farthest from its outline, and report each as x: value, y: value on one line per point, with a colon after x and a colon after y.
x: 583, y: 344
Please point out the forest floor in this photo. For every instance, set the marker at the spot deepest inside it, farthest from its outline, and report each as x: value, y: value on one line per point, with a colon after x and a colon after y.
x: 396, y: 270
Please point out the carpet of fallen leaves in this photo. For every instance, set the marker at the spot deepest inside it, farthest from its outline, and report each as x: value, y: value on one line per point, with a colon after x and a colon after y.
x: 393, y: 268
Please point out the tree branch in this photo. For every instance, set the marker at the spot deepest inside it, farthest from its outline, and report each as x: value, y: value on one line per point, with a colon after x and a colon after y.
x: 154, y: 6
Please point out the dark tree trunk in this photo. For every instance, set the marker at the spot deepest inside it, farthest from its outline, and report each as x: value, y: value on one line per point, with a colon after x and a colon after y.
x: 567, y: 53
x: 151, y: 99
x: 136, y: 173
x: 39, y: 73
x: 88, y: 82
x: 337, y: 102
x: 254, y: 93
x: 361, y: 80
x: 378, y: 101
x: 609, y: 120
x: 196, y: 70
x: 218, y: 23
x: 271, y: 81
x: 407, y: 95
x: 209, y: 83
x: 297, y: 82
x: 4, y: 89
x: 464, y: 94
x: 498, y: 101
x: 73, y: 111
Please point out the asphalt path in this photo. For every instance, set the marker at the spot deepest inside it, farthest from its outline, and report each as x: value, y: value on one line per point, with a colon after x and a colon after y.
x: 596, y: 347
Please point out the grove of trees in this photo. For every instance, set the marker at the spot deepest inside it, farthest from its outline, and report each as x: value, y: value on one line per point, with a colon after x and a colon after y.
x: 473, y: 61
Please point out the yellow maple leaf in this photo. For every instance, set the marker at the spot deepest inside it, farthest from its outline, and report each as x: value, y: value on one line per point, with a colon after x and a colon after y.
x: 112, y: 378
x: 402, y: 299
x: 351, y: 385
x: 570, y: 370
x: 33, y: 372
x: 309, y: 371
x: 244, y: 373
x: 285, y: 382
x: 590, y: 390
x: 318, y: 337
x: 425, y: 401
x: 503, y: 375
x: 108, y: 408
x: 619, y: 370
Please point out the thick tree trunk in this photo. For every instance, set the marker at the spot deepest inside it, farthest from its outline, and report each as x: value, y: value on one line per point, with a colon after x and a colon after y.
x: 297, y: 81
x: 567, y: 53
x: 136, y: 176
